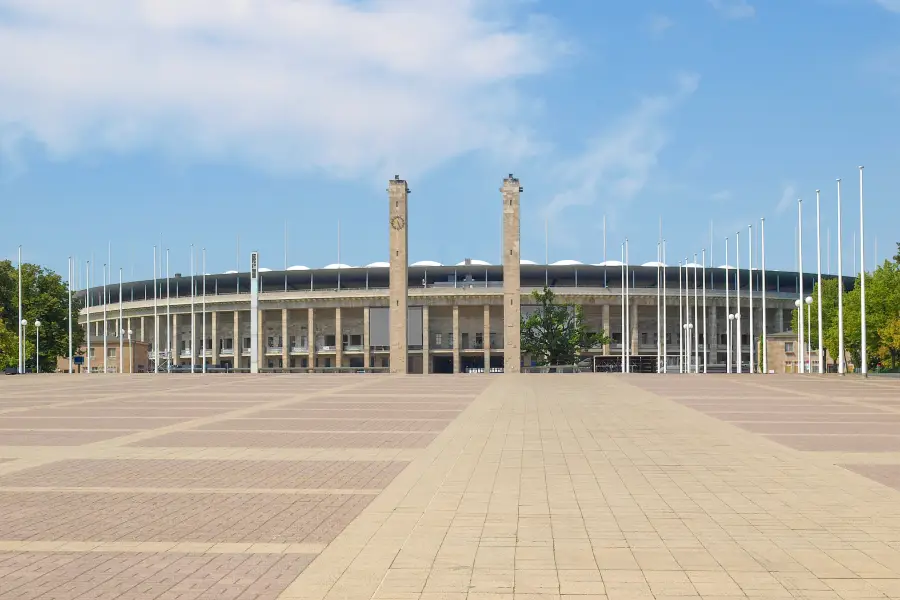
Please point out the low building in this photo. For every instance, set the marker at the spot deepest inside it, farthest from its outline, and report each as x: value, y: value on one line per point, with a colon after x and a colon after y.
x: 135, y: 356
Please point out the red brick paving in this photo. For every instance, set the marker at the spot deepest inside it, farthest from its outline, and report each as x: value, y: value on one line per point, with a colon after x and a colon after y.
x: 146, y: 576
x: 56, y: 438
x: 285, y: 439
x: 272, y: 474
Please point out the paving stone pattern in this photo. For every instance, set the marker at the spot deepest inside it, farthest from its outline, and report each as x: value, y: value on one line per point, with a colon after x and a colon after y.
x: 575, y: 487
x: 183, y: 487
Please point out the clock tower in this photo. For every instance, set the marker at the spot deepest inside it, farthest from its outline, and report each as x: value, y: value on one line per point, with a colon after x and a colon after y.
x: 398, y: 192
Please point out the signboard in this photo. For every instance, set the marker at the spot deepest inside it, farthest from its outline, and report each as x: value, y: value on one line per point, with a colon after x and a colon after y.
x: 254, y: 264
x: 78, y: 360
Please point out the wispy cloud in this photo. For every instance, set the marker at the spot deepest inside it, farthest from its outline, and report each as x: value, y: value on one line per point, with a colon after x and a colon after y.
x: 788, y: 198
x: 347, y: 87
x: 891, y: 5
x: 735, y: 9
x: 618, y: 163
x: 659, y: 24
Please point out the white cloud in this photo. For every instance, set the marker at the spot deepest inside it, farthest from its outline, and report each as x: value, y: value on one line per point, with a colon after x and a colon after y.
x: 788, y: 198
x: 349, y: 87
x: 734, y: 9
x: 618, y: 163
x: 891, y: 5
x: 659, y: 24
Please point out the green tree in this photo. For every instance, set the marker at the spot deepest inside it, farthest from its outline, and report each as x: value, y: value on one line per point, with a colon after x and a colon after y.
x: 890, y: 341
x: 829, y: 317
x: 44, y: 299
x: 556, y: 334
x: 897, y: 256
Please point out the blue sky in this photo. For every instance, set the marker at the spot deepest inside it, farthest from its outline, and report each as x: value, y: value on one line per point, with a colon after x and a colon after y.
x: 198, y: 121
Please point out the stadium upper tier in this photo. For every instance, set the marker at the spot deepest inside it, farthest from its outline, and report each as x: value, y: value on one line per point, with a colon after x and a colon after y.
x: 468, y: 274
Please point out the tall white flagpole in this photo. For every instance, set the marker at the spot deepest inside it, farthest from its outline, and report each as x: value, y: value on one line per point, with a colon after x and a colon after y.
x: 155, y: 318
x: 627, y: 311
x: 800, y: 276
x: 87, y: 315
x: 105, y: 332
x: 203, y: 328
x: 623, y: 307
x: 121, y: 326
x: 765, y: 348
x: 168, y: 317
x: 665, y: 328
x: 842, y: 365
x: 696, y: 328
x: 751, y: 368
x: 828, y: 246
x: 658, y: 307
x: 604, y: 238
x: 193, y: 324
x: 727, y: 312
x: 862, y: 278
x: 706, y: 344
x: 70, y: 315
x: 285, y: 257
x: 20, y: 338
x: 680, y: 321
x: 738, y: 342
x: 819, y: 280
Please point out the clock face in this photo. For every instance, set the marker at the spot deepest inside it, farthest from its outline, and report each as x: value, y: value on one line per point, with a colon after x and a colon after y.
x: 397, y: 223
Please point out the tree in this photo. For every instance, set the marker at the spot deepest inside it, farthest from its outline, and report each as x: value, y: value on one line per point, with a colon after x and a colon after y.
x: 556, y: 334
x: 897, y: 256
x: 44, y: 298
x: 890, y: 340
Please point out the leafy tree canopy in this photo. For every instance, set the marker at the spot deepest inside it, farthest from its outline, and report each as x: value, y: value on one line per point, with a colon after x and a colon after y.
x: 44, y: 299
x: 556, y: 334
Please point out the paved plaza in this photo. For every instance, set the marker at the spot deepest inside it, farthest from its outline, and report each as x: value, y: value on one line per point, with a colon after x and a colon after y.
x: 470, y: 487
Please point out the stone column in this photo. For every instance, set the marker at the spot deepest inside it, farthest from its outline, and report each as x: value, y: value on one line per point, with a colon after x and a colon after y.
x: 338, y: 338
x: 456, y: 340
x: 285, y: 345
x: 176, y: 351
x: 367, y: 350
x: 713, y: 331
x: 512, y: 294
x: 236, y: 340
x: 634, y: 330
x: 215, y: 337
x: 398, y: 193
x: 426, y: 342
x: 311, y: 336
x: 487, y: 338
x: 605, y: 313
x: 141, y: 331
x: 261, y: 340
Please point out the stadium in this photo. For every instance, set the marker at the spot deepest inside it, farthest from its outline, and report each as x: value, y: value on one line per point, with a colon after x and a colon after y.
x: 459, y: 318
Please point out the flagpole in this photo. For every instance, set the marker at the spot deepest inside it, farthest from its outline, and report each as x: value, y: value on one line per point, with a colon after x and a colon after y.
x: 727, y: 313
x: 168, y: 318
x: 155, y: 318
x: 627, y: 311
x: 203, y: 327
x: 680, y: 321
x: 664, y: 313
x: 738, y: 342
x: 121, y: 326
x: 819, y: 279
x: 658, y: 306
x: 705, y: 319
x: 800, y: 276
x: 862, y: 278
x: 751, y: 368
x: 19, y: 327
x: 193, y: 324
x: 842, y: 365
x: 105, y: 332
x: 70, y: 315
x: 696, y: 328
x: 623, y: 307
x: 765, y: 349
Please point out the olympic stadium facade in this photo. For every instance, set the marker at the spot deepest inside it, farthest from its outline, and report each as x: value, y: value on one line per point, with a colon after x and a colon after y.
x: 458, y: 318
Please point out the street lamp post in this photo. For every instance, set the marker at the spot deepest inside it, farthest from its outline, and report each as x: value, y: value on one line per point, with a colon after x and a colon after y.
x: 799, y: 351
x: 37, y: 346
x: 22, y: 324
x: 688, y: 328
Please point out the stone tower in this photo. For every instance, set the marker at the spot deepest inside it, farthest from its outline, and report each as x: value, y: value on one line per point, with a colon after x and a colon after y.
x: 512, y: 310
x: 398, y: 194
